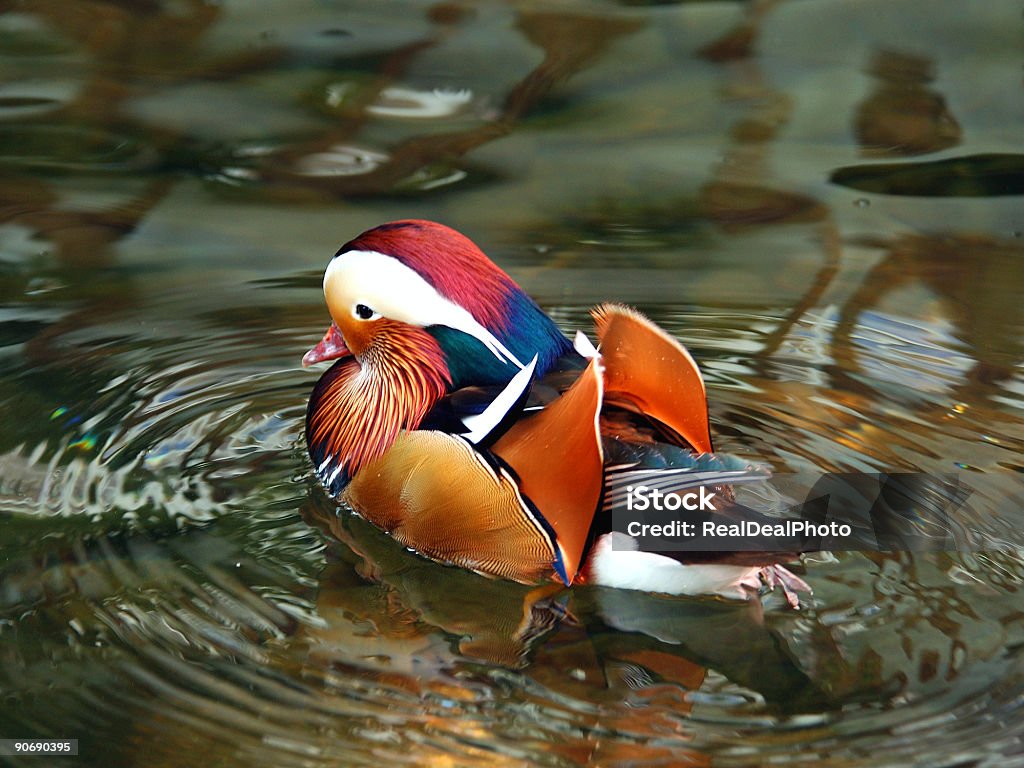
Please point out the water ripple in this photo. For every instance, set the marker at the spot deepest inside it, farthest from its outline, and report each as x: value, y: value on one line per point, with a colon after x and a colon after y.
x: 169, y: 550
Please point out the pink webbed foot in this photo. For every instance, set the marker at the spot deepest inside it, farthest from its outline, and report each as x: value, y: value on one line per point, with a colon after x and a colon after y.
x: 777, y: 575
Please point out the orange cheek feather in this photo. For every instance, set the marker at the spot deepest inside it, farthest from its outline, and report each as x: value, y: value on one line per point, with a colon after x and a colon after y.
x: 358, y: 333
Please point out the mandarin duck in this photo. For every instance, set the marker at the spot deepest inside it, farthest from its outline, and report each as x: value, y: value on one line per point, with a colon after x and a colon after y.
x: 460, y: 420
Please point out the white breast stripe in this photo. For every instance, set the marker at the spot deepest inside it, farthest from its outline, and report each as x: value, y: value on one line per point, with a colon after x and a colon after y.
x: 481, y: 424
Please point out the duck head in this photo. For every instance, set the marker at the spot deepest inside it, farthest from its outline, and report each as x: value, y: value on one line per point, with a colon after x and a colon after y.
x: 417, y: 311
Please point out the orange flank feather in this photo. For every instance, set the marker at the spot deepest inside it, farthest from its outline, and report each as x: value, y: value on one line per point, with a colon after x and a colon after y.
x: 481, y: 515
x: 648, y: 371
x: 436, y: 494
x: 557, y: 456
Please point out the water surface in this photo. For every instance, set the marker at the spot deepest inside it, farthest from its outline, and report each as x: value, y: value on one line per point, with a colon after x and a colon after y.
x: 822, y: 199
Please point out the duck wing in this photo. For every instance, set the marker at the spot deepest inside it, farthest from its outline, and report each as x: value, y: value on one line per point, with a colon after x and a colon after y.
x: 519, y: 509
x: 649, y: 372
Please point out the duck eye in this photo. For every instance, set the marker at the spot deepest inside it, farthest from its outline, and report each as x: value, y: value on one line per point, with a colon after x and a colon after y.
x: 363, y: 312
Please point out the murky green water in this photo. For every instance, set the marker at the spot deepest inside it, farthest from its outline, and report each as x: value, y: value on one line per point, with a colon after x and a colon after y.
x: 823, y: 199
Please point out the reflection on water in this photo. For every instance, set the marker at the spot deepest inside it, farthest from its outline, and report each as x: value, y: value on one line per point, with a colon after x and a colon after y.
x: 830, y: 221
x: 904, y: 116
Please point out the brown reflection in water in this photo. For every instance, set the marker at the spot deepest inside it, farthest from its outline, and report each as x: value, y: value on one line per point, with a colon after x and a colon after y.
x: 739, y: 42
x: 126, y: 43
x: 570, y: 43
x: 979, y: 282
x: 903, y: 116
x: 81, y: 239
x: 134, y: 48
x: 138, y: 49
x: 139, y: 46
x: 741, y: 195
x: 82, y: 245
x: 973, y: 275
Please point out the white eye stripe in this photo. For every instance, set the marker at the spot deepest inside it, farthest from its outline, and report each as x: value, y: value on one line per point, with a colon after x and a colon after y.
x: 393, y: 290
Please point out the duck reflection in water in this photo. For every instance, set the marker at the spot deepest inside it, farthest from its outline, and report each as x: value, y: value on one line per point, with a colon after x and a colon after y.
x: 396, y: 612
x: 641, y: 658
